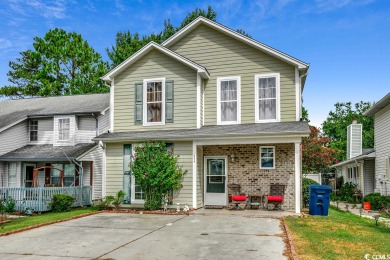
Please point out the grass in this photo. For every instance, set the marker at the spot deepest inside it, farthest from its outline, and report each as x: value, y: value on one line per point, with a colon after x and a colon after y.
x: 24, y: 222
x: 341, y: 235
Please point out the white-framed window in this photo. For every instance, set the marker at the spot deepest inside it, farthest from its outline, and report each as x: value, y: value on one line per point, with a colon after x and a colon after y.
x: 353, y: 174
x: 69, y: 174
x: 154, y: 102
x: 229, y: 100
x: 267, y: 157
x: 12, y: 175
x: 63, y: 129
x: 387, y: 168
x: 33, y: 130
x: 267, y: 98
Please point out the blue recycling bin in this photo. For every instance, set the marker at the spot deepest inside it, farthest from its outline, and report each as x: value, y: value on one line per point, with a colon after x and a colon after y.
x: 319, y: 199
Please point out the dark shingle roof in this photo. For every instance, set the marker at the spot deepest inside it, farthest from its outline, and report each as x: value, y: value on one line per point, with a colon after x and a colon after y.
x: 212, y: 131
x: 46, y: 152
x: 12, y: 111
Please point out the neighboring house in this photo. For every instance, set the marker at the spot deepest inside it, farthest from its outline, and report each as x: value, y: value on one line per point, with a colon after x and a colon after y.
x: 359, y: 167
x: 231, y: 107
x: 53, y: 131
x: 381, y: 113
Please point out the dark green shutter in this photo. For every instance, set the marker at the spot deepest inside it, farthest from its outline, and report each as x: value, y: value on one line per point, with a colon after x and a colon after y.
x: 169, y: 101
x: 138, y: 103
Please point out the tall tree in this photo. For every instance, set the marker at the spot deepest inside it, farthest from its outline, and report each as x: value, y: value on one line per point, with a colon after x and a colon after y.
x: 305, y: 114
x: 61, y: 63
x: 335, y: 126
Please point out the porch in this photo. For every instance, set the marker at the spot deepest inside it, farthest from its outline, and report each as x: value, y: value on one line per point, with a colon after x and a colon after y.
x: 39, y: 198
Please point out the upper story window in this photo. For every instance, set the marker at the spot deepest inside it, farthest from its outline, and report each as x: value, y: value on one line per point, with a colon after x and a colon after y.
x: 267, y: 157
x: 154, y: 102
x: 33, y: 129
x: 267, y: 98
x: 63, y: 129
x: 228, y: 100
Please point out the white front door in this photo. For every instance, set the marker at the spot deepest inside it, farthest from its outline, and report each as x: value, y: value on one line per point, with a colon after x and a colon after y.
x: 215, y: 180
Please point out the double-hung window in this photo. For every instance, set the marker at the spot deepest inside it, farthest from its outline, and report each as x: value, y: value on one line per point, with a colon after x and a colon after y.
x: 154, y: 102
x: 63, y: 129
x: 228, y: 100
x: 267, y: 157
x: 12, y: 175
x: 33, y: 130
x: 267, y: 89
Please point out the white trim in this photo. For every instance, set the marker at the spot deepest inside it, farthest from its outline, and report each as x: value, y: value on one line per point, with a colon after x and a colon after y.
x: 194, y: 175
x: 198, y: 110
x: 238, y: 79
x: 203, y: 110
x: 12, y: 124
x: 274, y: 158
x: 205, y: 158
x: 104, y: 175
x: 236, y: 35
x: 112, y: 100
x: 80, y: 157
x: 298, y: 177
x: 144, y: 106
x: 58, y: 129
x: 103, y: 112
x: 257, y: 112
x: 146, y: 49
x: 298, y: 104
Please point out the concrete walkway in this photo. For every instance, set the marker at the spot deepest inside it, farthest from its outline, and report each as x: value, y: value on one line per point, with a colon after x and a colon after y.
x: 133, y: 236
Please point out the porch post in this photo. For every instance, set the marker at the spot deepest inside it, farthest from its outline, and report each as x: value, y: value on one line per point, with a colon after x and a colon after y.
x: 194, y: 174
x: 298, y: 176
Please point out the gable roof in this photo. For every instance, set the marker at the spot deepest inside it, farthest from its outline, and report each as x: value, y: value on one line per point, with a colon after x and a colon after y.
x: 384, y: 102
x: 219, y: 27
x: 368, y: 153
x: 145, y: 50
x: 15, y: 111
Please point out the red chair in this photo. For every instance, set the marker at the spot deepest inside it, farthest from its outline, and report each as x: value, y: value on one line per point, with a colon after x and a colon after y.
x: 276, y: 196
x: 237, y: 197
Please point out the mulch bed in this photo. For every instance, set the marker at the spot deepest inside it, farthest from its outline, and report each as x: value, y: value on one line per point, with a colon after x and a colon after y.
x: 151, y: 212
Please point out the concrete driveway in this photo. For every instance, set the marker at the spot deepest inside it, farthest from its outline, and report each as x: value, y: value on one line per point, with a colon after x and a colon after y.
x: 130, y: 236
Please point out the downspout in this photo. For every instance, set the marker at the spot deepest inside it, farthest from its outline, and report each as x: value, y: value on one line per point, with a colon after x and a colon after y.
x: 81, y: 167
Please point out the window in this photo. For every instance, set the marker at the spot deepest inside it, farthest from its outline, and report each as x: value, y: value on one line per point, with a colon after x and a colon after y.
x: 33, y: 130
x: 11, y: 175
x: 387, y: 168
x: 228, y: 100
x: 69, y: 173
x: 267, y: 98
x: 63, y: 129
x: 267, y: 157
x: 154, y: 105
x: 353, y: 174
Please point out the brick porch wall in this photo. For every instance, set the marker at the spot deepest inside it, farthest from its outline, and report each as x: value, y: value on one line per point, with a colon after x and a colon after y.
x: 245, y: 169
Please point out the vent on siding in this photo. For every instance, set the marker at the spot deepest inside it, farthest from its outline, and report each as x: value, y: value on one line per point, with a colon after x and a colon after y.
x: 354, y: 140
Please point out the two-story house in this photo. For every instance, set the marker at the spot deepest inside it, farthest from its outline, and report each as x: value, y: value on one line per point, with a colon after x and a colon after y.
x: 53, y: 131
x: 230, y: 105
x: 381, y: 113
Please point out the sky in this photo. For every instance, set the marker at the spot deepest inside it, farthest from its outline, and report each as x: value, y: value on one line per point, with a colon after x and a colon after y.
x: 346, y: 42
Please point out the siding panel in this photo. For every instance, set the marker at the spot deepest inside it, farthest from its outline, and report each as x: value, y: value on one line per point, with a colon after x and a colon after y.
x: 14, y: 137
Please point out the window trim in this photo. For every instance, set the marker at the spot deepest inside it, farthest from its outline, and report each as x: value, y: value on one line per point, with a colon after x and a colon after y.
x: 58, y: 128
x: 274, y: 158
x: 219, y: 121
x: 15, y: 184
x: 144, y: 105
x: 257, y: 112
x: 29, y: 130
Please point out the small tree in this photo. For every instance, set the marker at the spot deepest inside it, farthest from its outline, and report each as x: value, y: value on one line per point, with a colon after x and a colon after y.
x: 156, y: 170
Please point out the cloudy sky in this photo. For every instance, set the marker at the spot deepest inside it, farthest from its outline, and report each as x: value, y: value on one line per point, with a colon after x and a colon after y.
x: 347, y: 42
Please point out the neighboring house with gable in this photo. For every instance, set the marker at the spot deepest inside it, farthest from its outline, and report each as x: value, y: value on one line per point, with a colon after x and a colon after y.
x: 53, y: 131
x: 229, y: 105
x: 381, y: 113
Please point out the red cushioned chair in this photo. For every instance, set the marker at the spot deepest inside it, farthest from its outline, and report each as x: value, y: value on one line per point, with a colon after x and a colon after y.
x: 237, y: 197
x: 276, y: 196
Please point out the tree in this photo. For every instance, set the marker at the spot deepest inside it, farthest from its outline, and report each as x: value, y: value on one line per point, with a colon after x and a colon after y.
x: 305, y: 114
x: 156, y: 170
x: 335, y: 126
x: 317, y: 156
x: 61, y: 63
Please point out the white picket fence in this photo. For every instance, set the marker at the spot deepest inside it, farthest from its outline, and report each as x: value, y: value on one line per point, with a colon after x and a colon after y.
x: 38, y: 199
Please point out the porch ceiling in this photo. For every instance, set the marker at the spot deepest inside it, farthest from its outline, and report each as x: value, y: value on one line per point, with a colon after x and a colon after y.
x: 213, y: 131
x: 46, y: 153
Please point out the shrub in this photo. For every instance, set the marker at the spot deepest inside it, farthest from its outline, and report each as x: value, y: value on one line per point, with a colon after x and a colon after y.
x: 61, y: 202
x: 305, y: 190
x: 377, y: 201
x: 105, y: 203
x: 10, y: 205
x: 347, y: 192
x: 118, y: 199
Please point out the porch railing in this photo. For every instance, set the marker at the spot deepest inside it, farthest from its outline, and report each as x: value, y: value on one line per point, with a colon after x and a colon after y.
x: 38, y: 199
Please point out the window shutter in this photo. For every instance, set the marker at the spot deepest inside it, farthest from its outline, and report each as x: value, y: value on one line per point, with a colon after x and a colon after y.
x: 138, y: 103
x: 169, y: 101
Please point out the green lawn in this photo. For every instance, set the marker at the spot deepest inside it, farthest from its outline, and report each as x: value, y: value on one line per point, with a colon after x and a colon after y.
x: 341, y: 235
x: 24, y: 222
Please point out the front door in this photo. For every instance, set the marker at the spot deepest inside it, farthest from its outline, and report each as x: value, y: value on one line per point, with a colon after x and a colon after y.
x: 29, y: 175
x: 215, y: 181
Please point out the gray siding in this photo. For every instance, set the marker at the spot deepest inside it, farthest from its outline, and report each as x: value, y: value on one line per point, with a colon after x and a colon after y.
x: 96, y: 156
x: 86, y: 123
x: 382, y: 148
x: 369, y: 173
x: 224, y: 56
x: 3, y: 174
x: 155, y: 65
x: 354, y: 140
x: 14, y: 137
x: 104, y: 122
x: 45, y: 131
